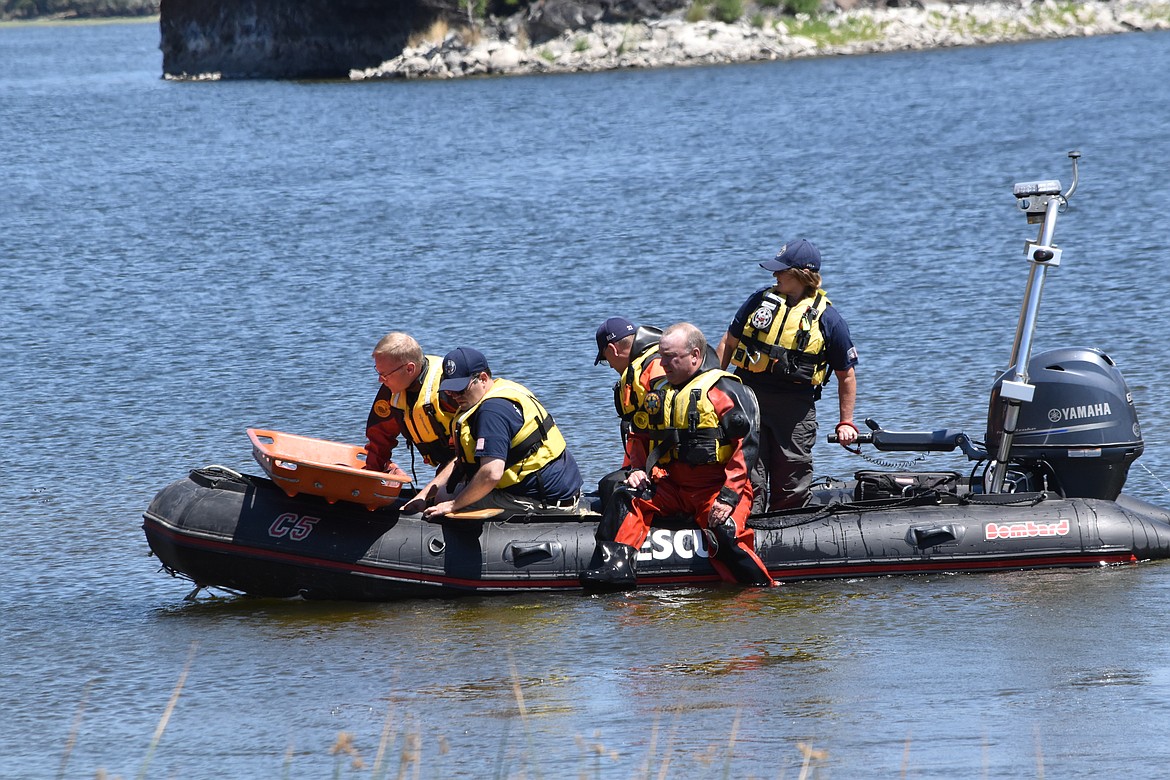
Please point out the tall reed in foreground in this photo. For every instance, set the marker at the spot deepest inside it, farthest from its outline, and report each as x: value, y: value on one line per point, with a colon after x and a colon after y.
x: 69, y: 743
x: 166, y: 716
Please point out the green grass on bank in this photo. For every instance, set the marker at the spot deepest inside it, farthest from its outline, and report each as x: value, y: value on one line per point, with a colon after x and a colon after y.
x: 832, y: 31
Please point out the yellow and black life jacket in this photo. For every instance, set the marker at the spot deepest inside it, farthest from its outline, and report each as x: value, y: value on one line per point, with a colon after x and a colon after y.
x: 629, y: 394
x: 428, y: 424
x: 536, y: 444
x: 786, y: 340
x: 684, y: 424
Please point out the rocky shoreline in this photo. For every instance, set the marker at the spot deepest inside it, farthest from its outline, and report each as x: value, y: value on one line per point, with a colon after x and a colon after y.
x: 69, y: 10
x: 502, y: 49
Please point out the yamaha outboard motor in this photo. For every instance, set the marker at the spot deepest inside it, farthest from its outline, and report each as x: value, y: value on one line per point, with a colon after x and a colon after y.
x: 1080, y: 430
x: 1063, y: 420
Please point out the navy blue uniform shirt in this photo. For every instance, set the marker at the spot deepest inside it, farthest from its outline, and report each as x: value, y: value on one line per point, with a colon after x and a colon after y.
x: 497, y: 421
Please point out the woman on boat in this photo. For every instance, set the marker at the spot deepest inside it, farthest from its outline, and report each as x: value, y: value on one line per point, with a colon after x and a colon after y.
x: 785, y: 342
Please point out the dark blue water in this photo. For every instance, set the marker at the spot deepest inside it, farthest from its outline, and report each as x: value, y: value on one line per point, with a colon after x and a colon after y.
x: 183, y: 261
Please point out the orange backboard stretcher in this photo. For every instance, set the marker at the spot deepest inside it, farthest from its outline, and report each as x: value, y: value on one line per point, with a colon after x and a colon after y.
x: 330, y: 469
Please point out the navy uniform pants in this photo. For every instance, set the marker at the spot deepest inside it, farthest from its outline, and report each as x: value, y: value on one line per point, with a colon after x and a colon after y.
x: 788, y: 430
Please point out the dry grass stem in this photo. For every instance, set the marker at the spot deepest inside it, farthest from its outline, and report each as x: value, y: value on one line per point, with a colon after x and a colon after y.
x: 166, y: 716
x: 411, y: 755
x: 288, y: 756
x: 72, y: 740
x: 731, y: 744
x: 389, y: 736
x: 519, y: 694
x: 345, y: 744
x: 810, y: 754
x: 652, y: 746
x: 665, y: 768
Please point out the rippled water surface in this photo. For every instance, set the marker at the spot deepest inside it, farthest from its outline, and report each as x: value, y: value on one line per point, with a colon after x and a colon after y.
x: 183, y: 261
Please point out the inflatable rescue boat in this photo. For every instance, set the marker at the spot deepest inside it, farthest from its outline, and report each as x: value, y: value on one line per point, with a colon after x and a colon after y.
x: 1044, y: 490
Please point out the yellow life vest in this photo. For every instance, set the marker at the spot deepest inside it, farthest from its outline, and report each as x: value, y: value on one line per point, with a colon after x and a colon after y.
x: 536, y: 444
x: 428, y: 424
x: 684, y: 424
x: 786, y: 340
x: 629, y: 394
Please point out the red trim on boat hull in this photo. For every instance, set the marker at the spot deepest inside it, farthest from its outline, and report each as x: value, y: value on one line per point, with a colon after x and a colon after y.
x: 791, y: 573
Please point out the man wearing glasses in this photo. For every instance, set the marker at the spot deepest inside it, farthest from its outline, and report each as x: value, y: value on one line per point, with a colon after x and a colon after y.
x: 703, y: 433
x: 509, y: 453
x: 408, y: 404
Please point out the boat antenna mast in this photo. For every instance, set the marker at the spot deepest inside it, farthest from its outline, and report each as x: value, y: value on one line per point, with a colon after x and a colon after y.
x: 1041, y: 201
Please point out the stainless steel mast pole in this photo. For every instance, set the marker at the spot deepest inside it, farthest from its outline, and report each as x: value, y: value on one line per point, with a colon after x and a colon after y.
x: 1042, y: 201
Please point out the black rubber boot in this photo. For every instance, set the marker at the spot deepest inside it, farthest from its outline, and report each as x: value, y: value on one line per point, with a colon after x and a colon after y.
x: 741, y: 565
x: 618, y: 569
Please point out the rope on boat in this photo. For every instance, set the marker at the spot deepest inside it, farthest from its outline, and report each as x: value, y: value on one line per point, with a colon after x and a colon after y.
x: 1003, y: 499
x: 776, y: 521
x: 410, y: 446
x: 789, y: 518
x: 900, y: 465
x: 194, y: 594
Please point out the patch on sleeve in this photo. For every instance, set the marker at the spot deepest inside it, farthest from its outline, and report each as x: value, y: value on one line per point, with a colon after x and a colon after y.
x: 382, y: 407
x: 852, y: 353
x: 479, y: 447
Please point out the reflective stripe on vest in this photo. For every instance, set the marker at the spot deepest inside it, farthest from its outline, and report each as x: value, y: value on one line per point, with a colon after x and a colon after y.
x: 629, y: 394
x: 535, y: 445
x: 428, y: 424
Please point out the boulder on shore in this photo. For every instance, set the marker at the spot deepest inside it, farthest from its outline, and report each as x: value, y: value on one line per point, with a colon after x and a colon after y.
x: 363, y: 39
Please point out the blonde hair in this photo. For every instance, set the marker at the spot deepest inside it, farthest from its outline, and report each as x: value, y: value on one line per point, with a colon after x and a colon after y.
x: 399, y: 346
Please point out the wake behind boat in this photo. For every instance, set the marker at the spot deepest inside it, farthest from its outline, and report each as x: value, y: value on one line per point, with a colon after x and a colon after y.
x: 1044, y: 491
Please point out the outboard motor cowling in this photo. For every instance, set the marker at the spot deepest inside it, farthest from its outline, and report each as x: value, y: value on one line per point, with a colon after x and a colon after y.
x: 1080, y: 426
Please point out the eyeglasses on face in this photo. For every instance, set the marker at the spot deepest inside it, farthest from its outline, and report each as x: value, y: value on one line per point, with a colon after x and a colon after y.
x: 387, y: 374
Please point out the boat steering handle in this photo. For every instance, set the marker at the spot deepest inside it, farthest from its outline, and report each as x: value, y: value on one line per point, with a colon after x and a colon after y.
x: 862, y: 438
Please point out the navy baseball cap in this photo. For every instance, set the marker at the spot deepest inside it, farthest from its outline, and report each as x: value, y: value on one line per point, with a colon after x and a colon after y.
x: 460, y: 365
x: 613, y: 329
x: 801, y: 253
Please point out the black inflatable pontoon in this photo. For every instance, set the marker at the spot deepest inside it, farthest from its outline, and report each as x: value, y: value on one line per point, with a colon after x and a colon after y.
x: 1044, y: 491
